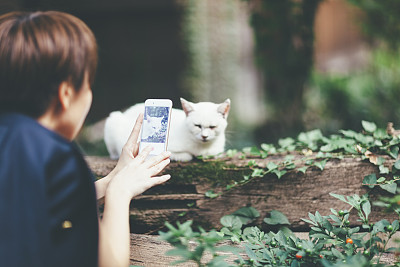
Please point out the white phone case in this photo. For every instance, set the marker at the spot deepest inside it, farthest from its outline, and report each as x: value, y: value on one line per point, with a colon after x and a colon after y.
x: 155, y: 128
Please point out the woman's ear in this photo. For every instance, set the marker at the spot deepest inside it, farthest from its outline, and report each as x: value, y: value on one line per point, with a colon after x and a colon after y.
x: 65, y: 95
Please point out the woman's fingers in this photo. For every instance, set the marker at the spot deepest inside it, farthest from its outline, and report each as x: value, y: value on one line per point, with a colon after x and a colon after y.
x: 141, y: 157
x: 160, y: 179
x: 155, y: 169
x: 133, y: 137
x: 157, y: 159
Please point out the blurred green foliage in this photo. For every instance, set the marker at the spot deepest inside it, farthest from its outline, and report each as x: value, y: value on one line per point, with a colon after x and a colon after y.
x: 371, y: 93
x: 381, y: 20
x: 338, y: 101
x: 303, y: 99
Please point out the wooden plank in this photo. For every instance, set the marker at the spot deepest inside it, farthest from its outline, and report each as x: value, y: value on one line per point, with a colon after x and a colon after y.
x: 295, y: 194
x: 149, y: 251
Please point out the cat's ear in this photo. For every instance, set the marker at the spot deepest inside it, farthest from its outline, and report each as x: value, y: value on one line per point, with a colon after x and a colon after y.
x: 187, y: 106
x: 224, y: 108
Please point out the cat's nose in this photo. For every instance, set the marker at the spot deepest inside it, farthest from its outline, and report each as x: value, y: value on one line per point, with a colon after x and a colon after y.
x: 204, y: 137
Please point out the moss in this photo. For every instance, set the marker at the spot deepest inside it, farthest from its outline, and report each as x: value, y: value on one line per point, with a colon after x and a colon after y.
x: 218, y: 172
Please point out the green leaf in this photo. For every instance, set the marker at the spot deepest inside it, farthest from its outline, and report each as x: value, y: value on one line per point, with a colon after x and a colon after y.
x: 302, y: 169
x: 381, y: 179
x: 310, y: 222
x: 378, y: 143
x: 391, y: 188
x: 319, y: 217
x: 310, y: 137
x: 380, y: 134
x: 250, y: 253
x: 335, y: 219
x: 285, y: 142
x: 271, y: 166
x: 395, y: 225
x: 211, y: 194
x: 258, y: 173
x: 279, y: 173
x: 321, y: 164
x: 251, y: 163
x: 364, y: 139
x: 290, y: 166
x: 348, y: 133
x: 366, y: 206
x: 269, y: 148
x: 254, y: 151
x: 340, y: 197
x: 394, y: 152
x: 380, y: 161
x: 397, y: 165
x: 370, y: 180
x: 231, y: 221
x: 327, y: 225
x: 383, y: 169
x: 329, y: 147
x: 320, y: 235
x: 276, y: 218
x: 246, y: 214
x: 231, y: 152
x: 354, y: 230
x: 337, y: 254
x: 369, y: 126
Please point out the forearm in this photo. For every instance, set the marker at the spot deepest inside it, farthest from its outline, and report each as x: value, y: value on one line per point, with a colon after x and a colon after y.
x: 114, y: 241
x: 101, y: 186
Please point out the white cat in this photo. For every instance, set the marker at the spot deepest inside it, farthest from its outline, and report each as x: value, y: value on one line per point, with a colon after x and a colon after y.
x: 153, y: 126
x: 197, y: 130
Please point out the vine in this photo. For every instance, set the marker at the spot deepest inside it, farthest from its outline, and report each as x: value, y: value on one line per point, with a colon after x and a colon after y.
x: 313, y: 149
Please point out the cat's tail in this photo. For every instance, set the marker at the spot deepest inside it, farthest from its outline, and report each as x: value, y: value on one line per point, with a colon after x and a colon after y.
x: 116, y: 131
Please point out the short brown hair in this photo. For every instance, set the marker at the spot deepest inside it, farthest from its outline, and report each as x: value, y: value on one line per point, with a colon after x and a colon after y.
x: 39, y: 51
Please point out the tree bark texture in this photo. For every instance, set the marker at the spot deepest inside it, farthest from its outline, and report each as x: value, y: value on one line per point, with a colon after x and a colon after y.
x: 295, y: 194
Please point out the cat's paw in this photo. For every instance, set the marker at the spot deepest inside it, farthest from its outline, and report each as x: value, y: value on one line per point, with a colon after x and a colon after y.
x: 182, y: 156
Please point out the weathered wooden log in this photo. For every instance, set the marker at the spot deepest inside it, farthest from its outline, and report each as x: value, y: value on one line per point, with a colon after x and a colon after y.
x: 149, y: 251
x: 295, y: 194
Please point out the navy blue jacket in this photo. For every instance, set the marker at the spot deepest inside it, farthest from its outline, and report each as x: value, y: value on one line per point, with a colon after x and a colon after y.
x: 48, y: 209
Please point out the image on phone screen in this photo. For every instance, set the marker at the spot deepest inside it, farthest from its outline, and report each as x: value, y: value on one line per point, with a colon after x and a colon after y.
x: 155, y: 128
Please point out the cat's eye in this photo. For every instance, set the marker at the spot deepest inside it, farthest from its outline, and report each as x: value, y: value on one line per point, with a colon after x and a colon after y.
x: 198, y: 125
x: 213, y: 127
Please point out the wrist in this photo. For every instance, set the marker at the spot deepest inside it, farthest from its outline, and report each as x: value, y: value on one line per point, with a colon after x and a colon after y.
x: 117, y: 193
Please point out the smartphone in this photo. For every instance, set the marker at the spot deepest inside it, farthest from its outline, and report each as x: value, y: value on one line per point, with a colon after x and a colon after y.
x: 155, y: 127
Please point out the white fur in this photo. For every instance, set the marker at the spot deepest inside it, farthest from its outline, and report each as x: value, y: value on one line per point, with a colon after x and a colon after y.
x: 152, y: 126
x: 197, y: 130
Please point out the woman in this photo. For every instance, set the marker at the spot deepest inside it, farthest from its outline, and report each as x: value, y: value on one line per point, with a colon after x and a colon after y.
x: 47, y: 192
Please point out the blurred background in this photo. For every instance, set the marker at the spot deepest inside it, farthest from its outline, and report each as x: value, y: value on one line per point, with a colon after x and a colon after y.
x: 287, y: 65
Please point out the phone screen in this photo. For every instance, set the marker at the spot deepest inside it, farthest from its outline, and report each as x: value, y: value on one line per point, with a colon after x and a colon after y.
x: 155, y: 128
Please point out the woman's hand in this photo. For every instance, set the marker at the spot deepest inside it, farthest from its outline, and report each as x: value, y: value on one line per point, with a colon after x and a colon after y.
x: 134, y: 174
x: 140, y: 175
x: 131, y: 147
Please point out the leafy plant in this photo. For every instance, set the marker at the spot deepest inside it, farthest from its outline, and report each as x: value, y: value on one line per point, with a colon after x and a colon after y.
x: 332, y: 241
x: 192, y: 245
x: 313, y: 150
